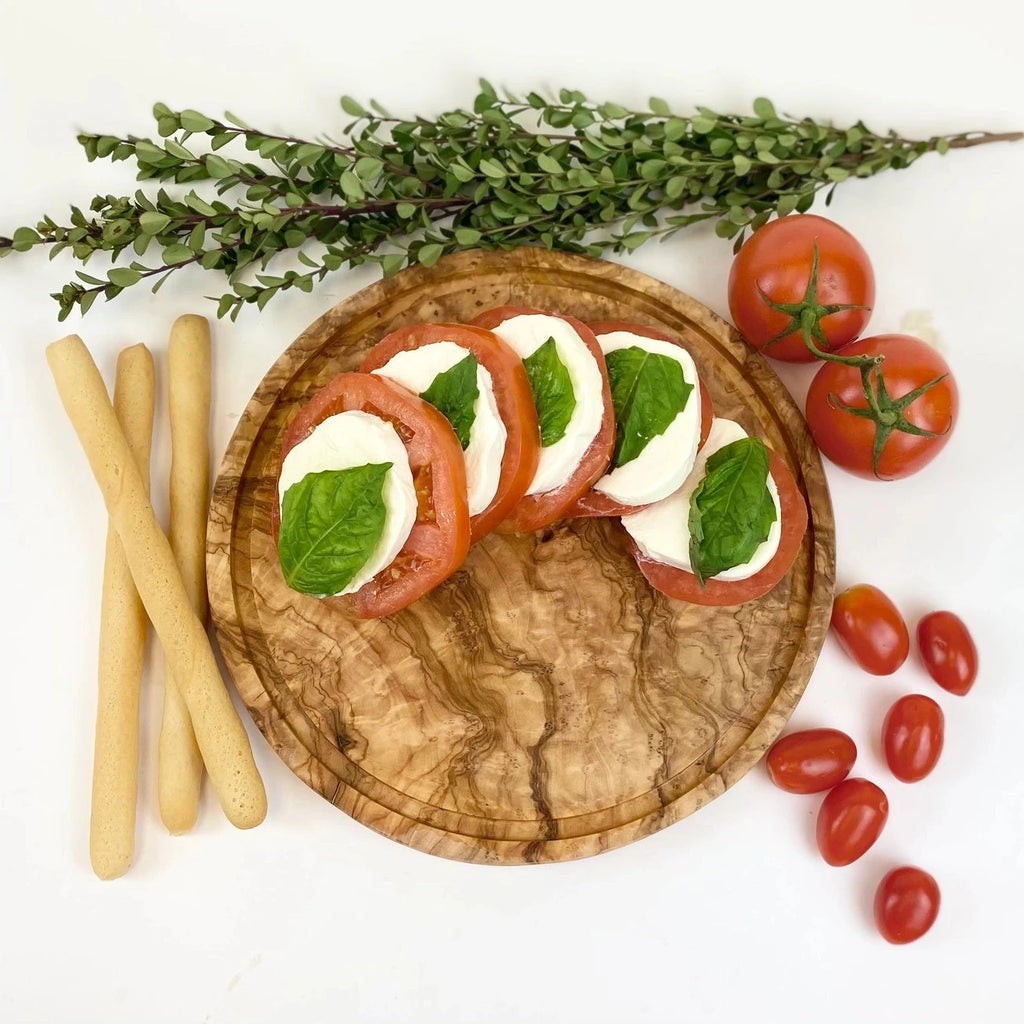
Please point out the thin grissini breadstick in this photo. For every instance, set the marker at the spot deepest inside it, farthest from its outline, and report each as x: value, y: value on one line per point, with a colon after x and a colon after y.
x: 115, y: 769
x: 222, y: 738
x: 180, y: 764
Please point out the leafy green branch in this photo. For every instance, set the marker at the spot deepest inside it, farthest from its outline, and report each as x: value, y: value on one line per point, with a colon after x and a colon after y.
x: 562, y: 173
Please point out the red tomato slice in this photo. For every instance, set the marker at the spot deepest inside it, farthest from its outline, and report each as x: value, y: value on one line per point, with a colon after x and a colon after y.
x: 511, y: 394
x: 684, y: 586
x: 594, y: 503
x: 439, y: 540
x: 536, y: 511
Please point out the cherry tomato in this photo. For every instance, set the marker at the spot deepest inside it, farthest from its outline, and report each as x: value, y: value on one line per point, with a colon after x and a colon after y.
x: 912, y: 736
x: 870, y: 629
x: 439, y: 540
x: 849, y: 440
x: 684, y: 586
x: 811, y: 761
x: 948, y: 651
x: 775, y: 265
x: 512, y: 396
x: 850, y: 819
x: 906, y: 904
x: 595, y: 503
x: 535, y: 511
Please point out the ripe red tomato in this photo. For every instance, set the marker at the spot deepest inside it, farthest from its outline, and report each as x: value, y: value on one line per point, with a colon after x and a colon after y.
x: 906, y: 904
x: 850, y: 819
x: 777, y: 261
x: 684, y: 586
x: 912, y: 737
x: 439, y: 540
x: 811, y: 761
x: 595, y: 503
x: 849, y: 439
x: 536, y: 511
x: 870, y: 629
x: 948, y: 651
x: 512, y: 396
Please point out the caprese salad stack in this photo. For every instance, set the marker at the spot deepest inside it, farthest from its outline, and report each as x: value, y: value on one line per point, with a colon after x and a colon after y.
x: 522, y: 418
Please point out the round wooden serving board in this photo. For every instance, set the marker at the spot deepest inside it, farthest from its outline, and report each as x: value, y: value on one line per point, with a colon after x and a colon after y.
x: 544, y: 703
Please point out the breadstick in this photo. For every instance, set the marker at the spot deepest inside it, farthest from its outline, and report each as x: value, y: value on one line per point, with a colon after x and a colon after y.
x: 115, y: 770
x: 181, y: 767
x: 220, y: 734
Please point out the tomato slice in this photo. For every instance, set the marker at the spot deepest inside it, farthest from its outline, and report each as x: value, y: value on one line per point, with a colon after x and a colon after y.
x: 536, y: 511
x: 684, y: 586
x: 512, y: 395
x: 439, y: 540
x: 595, y: 503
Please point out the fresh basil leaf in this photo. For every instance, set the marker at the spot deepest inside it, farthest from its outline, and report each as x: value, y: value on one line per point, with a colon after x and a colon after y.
x: 331, y: 523
x: 454, y: 393
x: 648, y: 392
x: 731, y: 512
x: 552, y: 392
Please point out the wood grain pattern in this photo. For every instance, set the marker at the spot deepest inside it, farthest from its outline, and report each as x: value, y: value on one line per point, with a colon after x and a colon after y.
x: 545, y: 703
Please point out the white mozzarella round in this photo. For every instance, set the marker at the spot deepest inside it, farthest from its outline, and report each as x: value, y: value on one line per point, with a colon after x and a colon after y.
x: 662, y: 530
x: 526, y: 333
x: 351, y: 439
x: 416, y: 369
x: 667, y: 459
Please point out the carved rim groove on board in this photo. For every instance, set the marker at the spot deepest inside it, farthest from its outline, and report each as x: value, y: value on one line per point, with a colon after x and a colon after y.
x: 453, y: 833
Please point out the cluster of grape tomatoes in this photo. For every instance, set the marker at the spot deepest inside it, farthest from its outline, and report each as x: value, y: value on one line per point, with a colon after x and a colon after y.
x: 802, y: 289
x: 853, y: 813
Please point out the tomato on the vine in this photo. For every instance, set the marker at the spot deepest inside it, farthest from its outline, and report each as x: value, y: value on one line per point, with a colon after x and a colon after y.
x: 917, y: 408
x: 906, y: 904
x: 948, y: 651
x: 811, y: 761
x: 912, y: 737
x: 850, y: 819
x: 795, y: 269
x: 870, y: 629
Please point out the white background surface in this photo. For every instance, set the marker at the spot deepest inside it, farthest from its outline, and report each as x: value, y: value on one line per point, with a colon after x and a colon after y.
x: 729, y: 915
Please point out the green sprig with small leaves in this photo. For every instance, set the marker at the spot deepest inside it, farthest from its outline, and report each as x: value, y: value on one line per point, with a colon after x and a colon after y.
x: 561, y: 173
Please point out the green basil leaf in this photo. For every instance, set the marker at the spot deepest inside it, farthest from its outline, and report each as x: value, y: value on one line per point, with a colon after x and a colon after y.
x: 331, y: 523
x: 454, y: 393
x: 552, y: 392
x: 648, y: 392
x: 731, y: 512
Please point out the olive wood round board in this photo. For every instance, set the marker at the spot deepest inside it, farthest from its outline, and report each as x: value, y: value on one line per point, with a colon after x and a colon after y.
x: 545, y: 703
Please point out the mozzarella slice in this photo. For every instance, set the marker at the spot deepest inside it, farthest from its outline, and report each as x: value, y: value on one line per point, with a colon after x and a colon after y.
x: 351, y: 439
x: 667, y: 459
x: 526, y: 333
x: 662, y: 530
x: 416, y: 370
